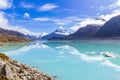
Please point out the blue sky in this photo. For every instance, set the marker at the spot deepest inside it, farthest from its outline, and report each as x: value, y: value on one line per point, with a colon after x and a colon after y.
x: 48, y: 15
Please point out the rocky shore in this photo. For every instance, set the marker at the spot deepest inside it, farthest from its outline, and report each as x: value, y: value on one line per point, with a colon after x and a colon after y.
x: 13, y: 70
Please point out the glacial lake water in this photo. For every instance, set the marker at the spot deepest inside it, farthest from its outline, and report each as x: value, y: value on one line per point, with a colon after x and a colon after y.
x: 81, y: 60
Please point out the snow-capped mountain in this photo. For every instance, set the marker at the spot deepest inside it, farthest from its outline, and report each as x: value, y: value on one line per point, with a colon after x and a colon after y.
x: 4, y: 24
x: 57, y: 34
x: 111, y: 28
x: 88, y: 21
x: 36, y: 36
x: 27, y: 33
x: 24, y: 31
x: 87, y: 31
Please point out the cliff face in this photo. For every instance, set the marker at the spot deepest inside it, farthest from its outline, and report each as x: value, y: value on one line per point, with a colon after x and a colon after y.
x: 13, y: 70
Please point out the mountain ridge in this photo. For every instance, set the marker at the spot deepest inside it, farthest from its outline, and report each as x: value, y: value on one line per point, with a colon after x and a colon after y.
x: 87, y: 31
x: 57, y: 34
x: 109, y: 30
x: 12, y: 36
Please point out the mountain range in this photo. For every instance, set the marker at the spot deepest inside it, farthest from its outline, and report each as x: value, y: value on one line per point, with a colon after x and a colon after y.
x: 57, y: 34
x: 111, y: 29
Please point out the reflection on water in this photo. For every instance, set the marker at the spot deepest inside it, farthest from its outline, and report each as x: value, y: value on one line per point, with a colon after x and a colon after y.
x: 23, y: 48
x: 88, y: 52
x: 12, y: 46
x: 70, y: 60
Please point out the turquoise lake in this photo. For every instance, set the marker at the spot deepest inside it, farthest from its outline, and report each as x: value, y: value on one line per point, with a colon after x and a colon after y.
x: 75, y: 60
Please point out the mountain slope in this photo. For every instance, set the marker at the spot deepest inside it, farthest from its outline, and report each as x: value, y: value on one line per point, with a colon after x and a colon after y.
x: 10, y: 32
x: 111, y: 28
x: 12, y: 36
x: 57, y: 34
x: 87, y: 31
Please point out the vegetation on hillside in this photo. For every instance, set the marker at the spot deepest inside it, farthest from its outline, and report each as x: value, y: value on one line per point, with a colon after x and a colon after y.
x: 3, y: 56
x: 12, y: 38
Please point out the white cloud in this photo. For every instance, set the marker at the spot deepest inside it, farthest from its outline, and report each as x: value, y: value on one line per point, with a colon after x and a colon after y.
x: 27, y: 5
x: 86, y: 22
x: 58, y: 21
x: 5, y: 4
x: 90, y: 21
x: 74, y: 28
x: 109, y: 16
x: 41, y: 19
x: 115, y: 5
x: 26, y: 15
x: 78, y: 22
x: 43, y: 34
x: 106, y: 17
x: 47, y: 7
x: 67, y: 20
x: 24, y: 31
x: 116, y: 11
x: 5, y: 25
x: 3, y: 21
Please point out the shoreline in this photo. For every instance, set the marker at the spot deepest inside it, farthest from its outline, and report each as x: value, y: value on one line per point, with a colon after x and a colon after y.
x: 13, y: 70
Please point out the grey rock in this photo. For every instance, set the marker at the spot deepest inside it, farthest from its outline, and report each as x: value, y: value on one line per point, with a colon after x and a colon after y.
x: 13, y: 70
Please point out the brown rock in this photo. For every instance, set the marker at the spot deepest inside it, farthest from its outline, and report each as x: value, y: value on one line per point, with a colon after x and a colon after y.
x: 13, y: 70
